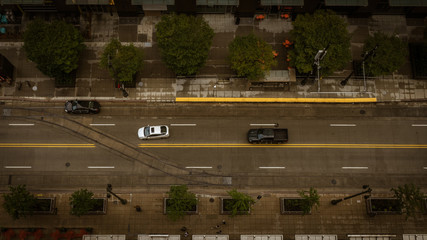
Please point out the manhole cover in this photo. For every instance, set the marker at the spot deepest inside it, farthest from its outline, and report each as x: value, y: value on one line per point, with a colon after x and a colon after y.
x: 67, y: 164
x: 334, y: 181
x: 362, y: 111
x: 219, y: 166
x: 211, y: 200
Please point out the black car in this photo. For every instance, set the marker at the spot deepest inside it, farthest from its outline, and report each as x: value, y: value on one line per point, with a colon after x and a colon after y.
x: 76, y: 106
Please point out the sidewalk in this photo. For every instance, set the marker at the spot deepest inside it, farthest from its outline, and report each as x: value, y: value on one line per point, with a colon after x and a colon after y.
x: 348, y: 217
x: 157, y: 84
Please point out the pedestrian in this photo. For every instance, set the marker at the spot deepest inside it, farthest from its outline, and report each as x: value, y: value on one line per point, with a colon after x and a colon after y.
x: 184, y: 229
x: 223, y: 222
x: 217, y: 226
x: 219, y: 232
x: 186, y: 234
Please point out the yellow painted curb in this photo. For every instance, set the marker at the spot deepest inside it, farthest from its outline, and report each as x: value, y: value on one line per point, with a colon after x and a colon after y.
x: 277, y: 100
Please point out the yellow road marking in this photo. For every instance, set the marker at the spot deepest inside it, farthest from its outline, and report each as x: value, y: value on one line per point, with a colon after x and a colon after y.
x: 45, y: 145
x: 239, y: 145
x: 276, y: 100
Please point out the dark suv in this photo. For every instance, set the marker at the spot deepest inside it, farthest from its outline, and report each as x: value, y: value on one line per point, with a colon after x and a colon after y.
x: 76, y: 106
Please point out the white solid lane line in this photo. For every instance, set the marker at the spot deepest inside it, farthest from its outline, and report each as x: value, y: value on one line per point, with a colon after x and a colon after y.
x: 419, y: 125
x: 272, y: 167
x: 103, y: 124
x: 21, y: 124
x: 17, y: 167
x: 354, y: 167
x: 199, y: 167
x: 342, y: 125
x: 100, y: 166
x: 183, y: 124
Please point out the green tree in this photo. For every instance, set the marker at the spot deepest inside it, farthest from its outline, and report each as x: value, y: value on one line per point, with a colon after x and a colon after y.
x: 251, y: 56
x: 310, y: 199
x: 241, y: 203
x: 81, y: 202
x: 184, y: 42
x: 389, y: 56
x: 410, y: 199
x: 180, y: 201
x: 19, y: 202
x: 123, y: 62
x: 314, y: 32
x: 55, y: 47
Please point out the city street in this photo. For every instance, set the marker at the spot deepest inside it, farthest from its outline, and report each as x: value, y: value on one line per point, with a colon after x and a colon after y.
x: 343, y: 148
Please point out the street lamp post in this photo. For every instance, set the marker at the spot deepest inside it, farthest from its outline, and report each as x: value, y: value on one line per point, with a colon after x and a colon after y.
x: 319, y: 56
x: 109, y: 190
x: 365, y: 56
x: 336, y: 201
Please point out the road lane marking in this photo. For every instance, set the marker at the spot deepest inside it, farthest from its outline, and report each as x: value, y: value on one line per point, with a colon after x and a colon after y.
x: 203, y: 167
x: 100, y: 166
x: 21, y: 124
x: 354, y: 167
x: 272, y: 167
x: 45, y: 145
x: 342, y: 125
x: 425, y: 168
x: 103, y: 124
x: 264, y: 124
x: 183, y: 124
x: 419, y: 125
x: 247, y: 145
x: 17, y: 166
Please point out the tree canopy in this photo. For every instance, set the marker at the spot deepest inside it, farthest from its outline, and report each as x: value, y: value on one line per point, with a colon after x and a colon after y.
x: 123, y: 62
x: 388, y: 57
x: 311, y: 199
x: 19, y: 202
x: 251, y: 56
x: 81, y: 202
x: 180, y: 201
x: 55, y: 47
x: 184, y: 42
x: 314, y: 32
x: 410, y: 199
x: 241, y: 203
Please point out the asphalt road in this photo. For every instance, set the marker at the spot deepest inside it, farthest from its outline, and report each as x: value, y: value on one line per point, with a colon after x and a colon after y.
x: 333, y: 148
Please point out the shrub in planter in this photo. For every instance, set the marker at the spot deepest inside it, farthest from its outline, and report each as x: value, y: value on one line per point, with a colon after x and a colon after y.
x: 82, y: 202
x: 239, y: 203
x: 410, y: 199
x: 303, y: 205
x: 383, y: 206
x: 180, y: 202
x: 19, y: 202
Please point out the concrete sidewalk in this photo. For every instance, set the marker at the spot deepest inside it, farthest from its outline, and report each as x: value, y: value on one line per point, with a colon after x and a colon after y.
x: 157, y: 83
x: 348, y: 217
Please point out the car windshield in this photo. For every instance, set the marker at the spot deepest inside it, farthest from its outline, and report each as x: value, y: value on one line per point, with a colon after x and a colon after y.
x: 147, y: 131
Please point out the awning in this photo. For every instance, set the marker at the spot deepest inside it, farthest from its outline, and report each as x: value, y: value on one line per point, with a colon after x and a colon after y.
x: 261, y: 237
x: 414, y: 236
x: 281, y: 76
x: 104, y: 237
x: 316, y: 237
x: 158, y: 237
x: 371, y: 237
x: 210, y: 237
x: 87, y: 2
x: 22, y: 2
x: 282, y: 2
x: 408, y: 3
x: 346, y: 3
x: 153, y: 2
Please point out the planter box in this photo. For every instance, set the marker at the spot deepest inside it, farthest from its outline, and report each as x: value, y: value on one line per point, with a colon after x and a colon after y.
x: 226, y: 211
x: 425, y: 205
x: 382, y: 206
x: 291, y: 206
x: 194, y: 210
x: 100, y: 207
x: 45, y: 206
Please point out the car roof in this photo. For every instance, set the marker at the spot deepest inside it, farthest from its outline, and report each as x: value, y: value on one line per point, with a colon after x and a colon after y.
x: 155, y: 130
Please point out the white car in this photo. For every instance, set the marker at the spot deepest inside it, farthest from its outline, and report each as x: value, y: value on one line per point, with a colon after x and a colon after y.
x: 153, y: 132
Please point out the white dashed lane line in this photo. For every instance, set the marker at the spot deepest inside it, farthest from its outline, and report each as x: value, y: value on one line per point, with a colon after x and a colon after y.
x: 355, y: 168
x: 17, y: 166
x: 203, y: 167
x: 103, y: 124
x: 100, y: 167
x: 342, y: 125
x: 21, y: 124
x: 272, y: 167
x: 183, y: 124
